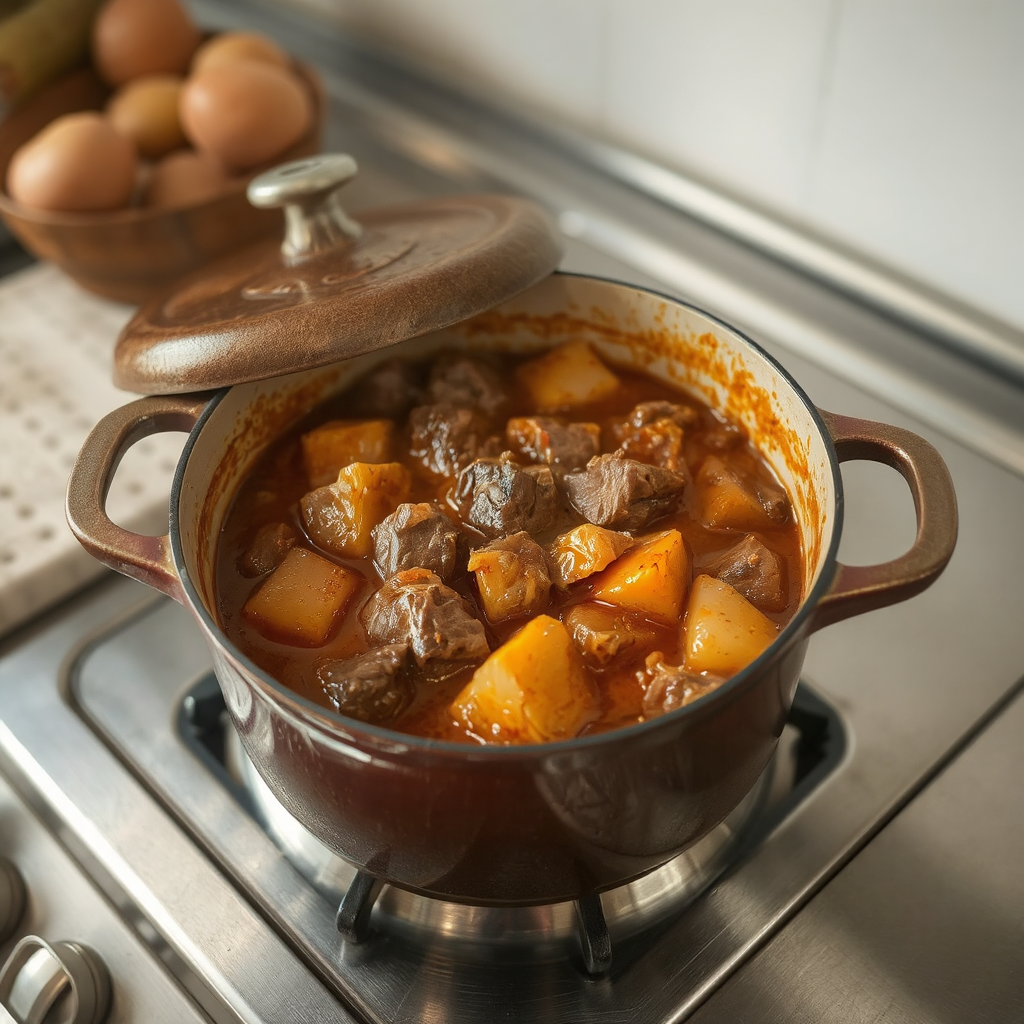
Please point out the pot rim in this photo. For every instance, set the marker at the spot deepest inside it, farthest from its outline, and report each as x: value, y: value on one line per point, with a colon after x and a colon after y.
x: 383, y: 736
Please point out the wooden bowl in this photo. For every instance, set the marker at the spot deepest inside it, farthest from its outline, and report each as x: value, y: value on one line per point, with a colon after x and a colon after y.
x: 133, y: 253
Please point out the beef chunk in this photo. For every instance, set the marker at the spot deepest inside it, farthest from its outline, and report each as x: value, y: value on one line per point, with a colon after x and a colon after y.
x: 601, y: 633
x: 722, y: 434
x: 340, y: 516
x: 415, y: 536
x: 512, y: 576
x: 621, y: 493
x: 647, y: 413
x: 267, y: 549
x: 755, y: 571
x: 445, y: 438
x: 653, y: 433
x: 773, y: 500
x: 544, y: 439
x: 499, y: 497
x: 372, y: 687
x: 465, y: 382
x: 658, y: 444
x: 415, y: 606
x: 667, y: 687
x: 389, y: 390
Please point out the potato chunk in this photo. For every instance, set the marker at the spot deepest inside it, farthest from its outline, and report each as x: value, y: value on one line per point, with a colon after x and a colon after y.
x: 532, y: 689
x: 585, y: 550
x: 302, y: 599
x: 331, y: 447
x: 728, y: 499
x: 511, y: 576
x: 566, y: 376
x: 650, y: 579
x: 339, y: 517
x: 723, y: 631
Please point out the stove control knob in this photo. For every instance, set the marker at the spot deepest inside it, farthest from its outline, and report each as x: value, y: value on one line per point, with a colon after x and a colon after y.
x: 65, y: 981
x: 12, y: 898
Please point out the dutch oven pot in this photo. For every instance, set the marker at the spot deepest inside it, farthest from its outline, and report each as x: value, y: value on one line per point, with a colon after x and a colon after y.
x: 548, y: 822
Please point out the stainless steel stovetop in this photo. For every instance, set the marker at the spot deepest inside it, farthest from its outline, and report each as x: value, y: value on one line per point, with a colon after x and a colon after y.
x: 877, y: 874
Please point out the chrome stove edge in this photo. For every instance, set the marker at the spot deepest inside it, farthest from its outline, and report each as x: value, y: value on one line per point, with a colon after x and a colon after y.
x: 946, y: 872
x: 220, y: 950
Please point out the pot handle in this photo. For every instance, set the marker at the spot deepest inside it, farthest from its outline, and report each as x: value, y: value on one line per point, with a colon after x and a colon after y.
x: 147, y: 559
x: 863, y: 588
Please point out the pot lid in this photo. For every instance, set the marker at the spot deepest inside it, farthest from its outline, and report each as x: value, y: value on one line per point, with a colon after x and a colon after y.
x: 334, y: 288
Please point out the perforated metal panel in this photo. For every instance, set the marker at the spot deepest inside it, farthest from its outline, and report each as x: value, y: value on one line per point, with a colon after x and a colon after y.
x: 55, y: 349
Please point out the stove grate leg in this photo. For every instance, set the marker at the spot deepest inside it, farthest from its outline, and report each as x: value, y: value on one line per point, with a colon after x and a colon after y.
x: 592, y: 929
x: 353, y: 917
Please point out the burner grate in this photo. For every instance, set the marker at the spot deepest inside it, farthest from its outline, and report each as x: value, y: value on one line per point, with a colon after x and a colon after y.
x: 811, y: 746
x: 425, y: 954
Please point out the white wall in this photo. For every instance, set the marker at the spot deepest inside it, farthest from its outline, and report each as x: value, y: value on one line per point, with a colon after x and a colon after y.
x: 894, y: 125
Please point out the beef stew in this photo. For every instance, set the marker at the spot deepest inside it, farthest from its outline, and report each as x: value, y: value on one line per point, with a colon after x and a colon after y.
x: 518, y: 549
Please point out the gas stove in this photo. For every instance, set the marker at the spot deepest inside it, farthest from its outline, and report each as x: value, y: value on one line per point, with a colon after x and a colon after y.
x: 881, y: 846
x: 394, y: 956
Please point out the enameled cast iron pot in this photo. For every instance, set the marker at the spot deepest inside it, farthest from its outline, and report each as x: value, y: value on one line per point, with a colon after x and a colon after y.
x: 290, y: 325
x: 530, y: 824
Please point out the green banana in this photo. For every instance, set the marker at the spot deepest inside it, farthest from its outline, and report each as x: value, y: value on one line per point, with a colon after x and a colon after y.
x: 39, y: 42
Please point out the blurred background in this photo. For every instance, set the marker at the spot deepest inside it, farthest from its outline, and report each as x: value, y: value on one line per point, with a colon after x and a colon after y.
x: 892, y: 126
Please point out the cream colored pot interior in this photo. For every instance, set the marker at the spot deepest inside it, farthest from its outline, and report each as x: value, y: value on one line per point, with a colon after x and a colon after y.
x: 626, y: 325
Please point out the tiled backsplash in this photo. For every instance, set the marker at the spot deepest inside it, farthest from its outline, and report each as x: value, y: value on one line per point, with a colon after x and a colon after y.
x: 893, y: 125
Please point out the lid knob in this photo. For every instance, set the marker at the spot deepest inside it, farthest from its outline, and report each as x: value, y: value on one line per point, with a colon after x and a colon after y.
x: 308, y: 191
